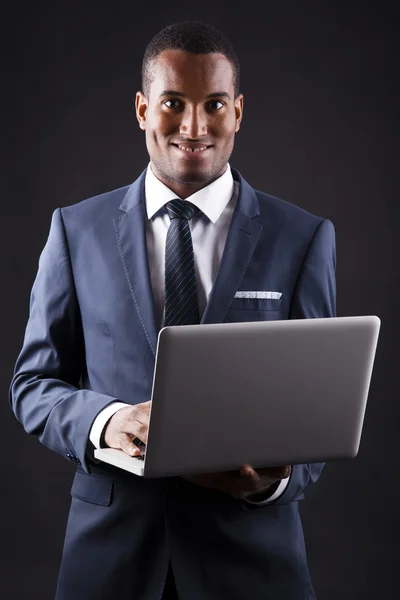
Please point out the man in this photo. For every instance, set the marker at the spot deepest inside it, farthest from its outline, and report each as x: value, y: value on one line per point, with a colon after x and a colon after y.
x: 114, y: 270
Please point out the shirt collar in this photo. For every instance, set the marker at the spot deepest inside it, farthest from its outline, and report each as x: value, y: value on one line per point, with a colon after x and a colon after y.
x: 211, y: 200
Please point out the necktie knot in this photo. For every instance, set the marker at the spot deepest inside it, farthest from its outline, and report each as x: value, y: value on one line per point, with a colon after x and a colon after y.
x: 181, y: 209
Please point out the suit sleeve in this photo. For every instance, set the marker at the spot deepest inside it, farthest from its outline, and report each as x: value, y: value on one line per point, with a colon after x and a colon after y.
x: 314, y: 297
x: 44, y: 392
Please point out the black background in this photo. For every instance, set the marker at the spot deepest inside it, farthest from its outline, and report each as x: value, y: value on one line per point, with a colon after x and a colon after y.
x: 320, y: 129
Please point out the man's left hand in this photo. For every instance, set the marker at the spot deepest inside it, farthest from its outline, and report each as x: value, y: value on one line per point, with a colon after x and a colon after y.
x: 243, y: 483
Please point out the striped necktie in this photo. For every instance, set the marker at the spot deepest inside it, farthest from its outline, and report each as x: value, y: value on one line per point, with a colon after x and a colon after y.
x: 181, y: 305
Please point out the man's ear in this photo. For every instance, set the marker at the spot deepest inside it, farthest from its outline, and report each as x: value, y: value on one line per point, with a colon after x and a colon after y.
x: 238, y: 111
x: 141, y: 109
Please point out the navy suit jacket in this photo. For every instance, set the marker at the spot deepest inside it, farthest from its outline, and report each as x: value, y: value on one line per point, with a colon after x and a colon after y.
x: 91, y: 339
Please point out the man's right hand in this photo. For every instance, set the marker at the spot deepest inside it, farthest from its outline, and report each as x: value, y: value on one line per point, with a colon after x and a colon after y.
x: 126, y: 424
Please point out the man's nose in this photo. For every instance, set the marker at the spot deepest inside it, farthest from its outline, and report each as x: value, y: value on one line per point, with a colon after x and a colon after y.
x: 194, y: 123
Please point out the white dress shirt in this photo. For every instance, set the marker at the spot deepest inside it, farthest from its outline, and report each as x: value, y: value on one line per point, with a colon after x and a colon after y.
x: 209, y: 230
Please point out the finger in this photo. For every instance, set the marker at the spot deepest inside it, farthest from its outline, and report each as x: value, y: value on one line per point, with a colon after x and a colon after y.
x: 248, y: 472
x: 283, y: 472
x: 139, y: 430
x: 276, y: 472
x: 244, y: 485
x: 140, y: 426
x: 128, y: 446
x: 287, y: 472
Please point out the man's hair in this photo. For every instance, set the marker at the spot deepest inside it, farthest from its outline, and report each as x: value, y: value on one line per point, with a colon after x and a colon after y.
x: 190, y: 36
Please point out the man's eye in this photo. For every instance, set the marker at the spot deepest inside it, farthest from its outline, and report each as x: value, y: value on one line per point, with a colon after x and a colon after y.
x: 175, y: 102
x: 213, y: 102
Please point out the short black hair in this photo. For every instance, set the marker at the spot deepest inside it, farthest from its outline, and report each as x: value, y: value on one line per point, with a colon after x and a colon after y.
x: 190, y: 36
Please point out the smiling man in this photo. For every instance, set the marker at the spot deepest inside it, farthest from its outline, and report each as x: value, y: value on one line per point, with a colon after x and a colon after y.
x: 190, y: 112
x: 173, y: 248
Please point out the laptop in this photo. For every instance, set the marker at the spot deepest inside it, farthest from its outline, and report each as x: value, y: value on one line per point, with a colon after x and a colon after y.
x: 267, y: 393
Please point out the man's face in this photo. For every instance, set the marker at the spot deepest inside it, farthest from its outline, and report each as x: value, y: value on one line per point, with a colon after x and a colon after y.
x: 191, y: 104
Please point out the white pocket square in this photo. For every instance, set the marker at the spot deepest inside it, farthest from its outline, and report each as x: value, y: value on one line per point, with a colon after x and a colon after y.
x: 273, y: 295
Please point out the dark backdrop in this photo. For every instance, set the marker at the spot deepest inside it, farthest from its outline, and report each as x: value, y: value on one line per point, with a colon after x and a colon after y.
x: 320, y: 130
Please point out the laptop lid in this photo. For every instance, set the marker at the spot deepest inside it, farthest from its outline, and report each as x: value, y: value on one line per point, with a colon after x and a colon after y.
x: 264, y: 393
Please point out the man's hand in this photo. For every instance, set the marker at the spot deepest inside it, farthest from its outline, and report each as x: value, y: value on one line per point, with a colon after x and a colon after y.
x: 126, y: 424
x: 243, y: 483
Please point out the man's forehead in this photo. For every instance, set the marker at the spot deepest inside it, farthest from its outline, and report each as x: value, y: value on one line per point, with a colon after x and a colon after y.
x: 174, y: 68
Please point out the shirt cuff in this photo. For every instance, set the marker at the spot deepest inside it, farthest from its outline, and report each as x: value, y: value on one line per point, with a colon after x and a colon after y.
x: 278, y: 492
x: 101, y: 419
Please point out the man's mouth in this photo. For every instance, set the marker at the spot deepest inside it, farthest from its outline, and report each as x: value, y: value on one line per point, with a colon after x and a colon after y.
x: 192, y: 151
x: 191, y: 148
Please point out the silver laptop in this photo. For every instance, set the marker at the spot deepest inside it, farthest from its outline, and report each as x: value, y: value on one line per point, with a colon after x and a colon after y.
x: 264, y: 393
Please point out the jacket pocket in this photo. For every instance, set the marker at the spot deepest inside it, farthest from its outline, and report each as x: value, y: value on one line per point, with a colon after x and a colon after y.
x: 254, y: 309
x: 92, y: 488
x: 256, y: 304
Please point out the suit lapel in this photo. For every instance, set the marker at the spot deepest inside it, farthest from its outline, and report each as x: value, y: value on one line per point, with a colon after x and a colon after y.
x: 240, y: 244
x: 239, y: 247
x: 131, y: 238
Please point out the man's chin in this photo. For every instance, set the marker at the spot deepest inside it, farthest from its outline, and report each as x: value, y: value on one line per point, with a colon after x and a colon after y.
x: 191, y: 175
x: 185, y: 175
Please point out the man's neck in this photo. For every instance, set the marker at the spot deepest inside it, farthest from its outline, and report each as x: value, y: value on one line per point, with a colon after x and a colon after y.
x: 184, y: 190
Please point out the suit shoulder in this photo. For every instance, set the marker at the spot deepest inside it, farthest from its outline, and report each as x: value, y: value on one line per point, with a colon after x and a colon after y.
x: 106, y: 203
x: 292, y: 219
x: 286, y: 210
